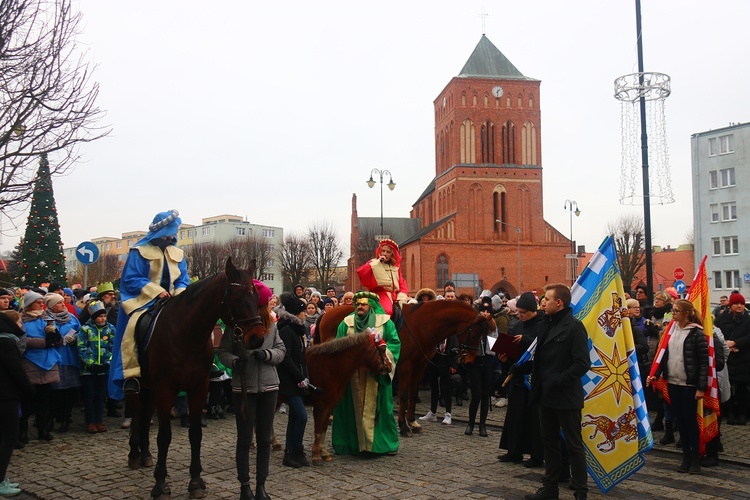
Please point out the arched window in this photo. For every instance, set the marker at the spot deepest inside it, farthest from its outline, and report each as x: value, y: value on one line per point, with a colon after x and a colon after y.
x: 412, y: 273
x: 500, y: 211
x: 488, y: 142
x: 468, y: 149
x: 509, y: 143
x: 531, y: 101
x: 528, y: 144
x: 442, y: 271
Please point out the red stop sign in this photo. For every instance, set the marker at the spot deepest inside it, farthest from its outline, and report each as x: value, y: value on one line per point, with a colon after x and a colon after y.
x: 679, y: 273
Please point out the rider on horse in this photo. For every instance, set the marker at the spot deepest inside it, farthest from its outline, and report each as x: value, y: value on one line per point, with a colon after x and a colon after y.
x: 382, y: 275
x: 363, y: 420
x: 155, y: 269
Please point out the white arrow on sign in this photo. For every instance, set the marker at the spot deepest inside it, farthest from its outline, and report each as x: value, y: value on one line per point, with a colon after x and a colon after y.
x: 84, y: 251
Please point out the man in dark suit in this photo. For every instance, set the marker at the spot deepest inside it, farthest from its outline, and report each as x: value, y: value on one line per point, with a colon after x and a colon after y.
x: 560, y: 360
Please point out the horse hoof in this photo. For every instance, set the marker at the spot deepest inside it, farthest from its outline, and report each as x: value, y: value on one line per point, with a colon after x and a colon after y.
x: 417, y: 430
x: 277, y: 447
x: 161, y: 492
x: 147, y: 461
x: 317, y: 461
x: 134, y: 463
x: 328, y: 458
x: 197, y: 488
x: 406, y: 434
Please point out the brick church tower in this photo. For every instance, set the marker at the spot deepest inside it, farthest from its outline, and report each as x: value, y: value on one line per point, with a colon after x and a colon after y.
x: 482, y: 213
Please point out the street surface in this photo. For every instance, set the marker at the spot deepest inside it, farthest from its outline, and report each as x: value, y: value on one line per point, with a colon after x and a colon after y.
x: 440, y: 463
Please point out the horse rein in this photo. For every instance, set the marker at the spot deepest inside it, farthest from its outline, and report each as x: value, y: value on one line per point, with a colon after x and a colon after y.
x: 378, y: 351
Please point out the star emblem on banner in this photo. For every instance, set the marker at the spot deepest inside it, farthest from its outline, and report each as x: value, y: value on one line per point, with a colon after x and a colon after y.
x: 614, y: 373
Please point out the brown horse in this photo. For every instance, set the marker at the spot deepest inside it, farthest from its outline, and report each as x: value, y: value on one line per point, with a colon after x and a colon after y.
x: 179, y: 358
x: 425, y: 326
x: 330, y: 367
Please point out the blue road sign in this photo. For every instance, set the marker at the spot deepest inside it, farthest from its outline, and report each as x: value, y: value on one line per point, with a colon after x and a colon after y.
x: 679, y: 285
x: 87, y: 252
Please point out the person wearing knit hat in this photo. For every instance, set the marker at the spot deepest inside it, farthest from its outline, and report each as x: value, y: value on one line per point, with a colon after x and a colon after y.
x: 363, y: 420
x: 292, y: 304
x: 154, y: 269
x: 485, y: 304
x: 29, y: 298
x: 735, y: 324
x: 527, y: 302
x: 95, y: 341
x: 328, y: 304
x: 52, y: 299
x: 6, y: 299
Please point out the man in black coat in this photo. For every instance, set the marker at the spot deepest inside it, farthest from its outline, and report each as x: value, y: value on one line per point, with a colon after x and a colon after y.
x: 560, y: 360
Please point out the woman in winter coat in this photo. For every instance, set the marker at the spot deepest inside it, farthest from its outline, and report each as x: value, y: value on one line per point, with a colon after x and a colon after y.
x: 293, y: 377
x: 256, y: 370
x: 735, y: 325
x: 14, y: 388
x: 41, y: 361
x: 64, y: 392
x: 685, y: 368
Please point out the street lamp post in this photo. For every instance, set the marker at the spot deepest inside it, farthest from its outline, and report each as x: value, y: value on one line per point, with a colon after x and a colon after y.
x: 569, y: 204
x: 518, y: 248
x: 391, y: 185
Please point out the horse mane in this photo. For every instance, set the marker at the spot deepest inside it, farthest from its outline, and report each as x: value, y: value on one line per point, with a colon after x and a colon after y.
x: 194, y: 290
x: 334, y: 346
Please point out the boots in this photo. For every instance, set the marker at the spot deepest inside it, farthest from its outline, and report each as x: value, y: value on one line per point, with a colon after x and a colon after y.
x: 246, y: 493
x: 469, y: 429
x: 290, y: 460
x: 695, y: 462
x: 482, y: 430
x: 260, y: 492
x: 685, y: 465
x: 299, y: 454
x: 668, y: 436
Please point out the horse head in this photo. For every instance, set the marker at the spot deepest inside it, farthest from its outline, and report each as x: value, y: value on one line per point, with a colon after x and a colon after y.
x: 239, y: 307
x: 470, y: 339
x: 379, y: 363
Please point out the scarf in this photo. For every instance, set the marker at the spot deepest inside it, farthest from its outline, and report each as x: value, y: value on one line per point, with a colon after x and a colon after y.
x: 31, y: 315
x: 60, y: 318
x: 362, y: 324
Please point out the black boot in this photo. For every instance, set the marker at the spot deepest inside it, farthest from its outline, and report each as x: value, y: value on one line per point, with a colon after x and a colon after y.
x: 685, y: 465
x: 668, y: 436
x: 290, y: 460
x: 299, y: 454
x: 482, y: 430
x: 64, y: 427
x: 695, y: 462
x: 469, y: 429
x: 246, y: 493
x: 260, y: 492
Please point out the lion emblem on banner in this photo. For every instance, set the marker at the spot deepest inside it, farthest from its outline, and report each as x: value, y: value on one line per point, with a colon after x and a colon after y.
x: 625, y: 427
x: 611, y: 319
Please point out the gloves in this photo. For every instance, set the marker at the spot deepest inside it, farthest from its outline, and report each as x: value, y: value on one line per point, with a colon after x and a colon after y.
x: 69, y: 339
x: 52, y: 337
x: 455, y: 350
x: 239, y: 364
x: 303, y: 384
x: 261, y: 354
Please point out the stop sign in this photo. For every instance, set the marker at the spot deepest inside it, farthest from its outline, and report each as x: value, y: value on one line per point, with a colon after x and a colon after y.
x: 679, y: 273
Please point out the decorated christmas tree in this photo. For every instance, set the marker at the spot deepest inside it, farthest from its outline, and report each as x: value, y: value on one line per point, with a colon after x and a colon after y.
x: 40, y: 254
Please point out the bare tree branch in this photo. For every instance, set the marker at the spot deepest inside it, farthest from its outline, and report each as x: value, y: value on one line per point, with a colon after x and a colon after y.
x: 294, y: 258
x: 326, y: 252
x: 629, y: 238
x: 47, y: 95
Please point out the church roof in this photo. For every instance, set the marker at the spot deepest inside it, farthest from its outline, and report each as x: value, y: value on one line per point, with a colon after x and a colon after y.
x: 429, y: 189
x: 426, y: 230
x: 397, y: 228
x: 488, y: 62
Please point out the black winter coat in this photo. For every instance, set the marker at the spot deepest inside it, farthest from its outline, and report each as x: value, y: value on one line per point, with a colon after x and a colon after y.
x: 293, y: 369
x: 736, y: 327
x: 695, y: 354
x: 14, y: 384
x: 560, y: 360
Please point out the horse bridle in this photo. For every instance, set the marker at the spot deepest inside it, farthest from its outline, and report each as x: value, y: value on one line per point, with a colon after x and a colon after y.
x: 378, y: 351
x: 233, y: 323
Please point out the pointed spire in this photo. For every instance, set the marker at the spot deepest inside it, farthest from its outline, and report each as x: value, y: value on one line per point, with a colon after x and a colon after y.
x: 488, y: 61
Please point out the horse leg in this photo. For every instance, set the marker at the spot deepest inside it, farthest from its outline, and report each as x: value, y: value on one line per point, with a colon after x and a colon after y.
x: 161, y: 489
x: 403, y: 398
x: 143, y: 418
x: 413, y: 381
x: 196, y: 401
x: 134, y: 457
x: 318, y: 414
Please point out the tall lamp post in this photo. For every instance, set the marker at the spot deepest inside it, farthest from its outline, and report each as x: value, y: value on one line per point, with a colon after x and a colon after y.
x: 518, y: 248
x: 391, y: 185
x: 569, y: 204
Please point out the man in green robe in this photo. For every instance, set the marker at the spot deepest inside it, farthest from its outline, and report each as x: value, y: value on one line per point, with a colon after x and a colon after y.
x: 363, y: 420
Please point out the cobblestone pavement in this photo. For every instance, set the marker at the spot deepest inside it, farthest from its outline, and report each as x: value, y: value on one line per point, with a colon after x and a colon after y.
x: 440, y: 463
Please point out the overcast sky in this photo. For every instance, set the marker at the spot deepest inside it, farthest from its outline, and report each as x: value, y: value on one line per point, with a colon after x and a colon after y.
x: 277, y: 111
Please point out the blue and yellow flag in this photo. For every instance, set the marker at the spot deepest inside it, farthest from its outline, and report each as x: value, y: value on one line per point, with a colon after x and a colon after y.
x: 615, y: 424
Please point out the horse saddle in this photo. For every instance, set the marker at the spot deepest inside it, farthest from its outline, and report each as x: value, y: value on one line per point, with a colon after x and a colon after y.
x: 144, y: 327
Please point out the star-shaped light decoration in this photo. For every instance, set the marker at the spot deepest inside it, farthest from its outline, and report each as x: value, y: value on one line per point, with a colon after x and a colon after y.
x: 36, y: 250
x: 42, y: 263
x: 614, y: 373
x: 47, y: 231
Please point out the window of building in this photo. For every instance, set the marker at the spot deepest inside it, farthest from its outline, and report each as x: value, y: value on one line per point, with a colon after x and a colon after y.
x: 130, y: 243
x: 713, y: 179
x: 271, y: 248
x: 119, y: 244
x: 731, y: 245
x: 270, y: 262
x: 728, y: 211
x: 727, y: 177
x: 206, y: 231
x: 726, y: 144
x: 715, y: 212
x: 190, y: 233
x: 266, y: 277
x: 716, y: 245
x: 269, y: 233
x: 442, y: 271
x: 717, y: 279
x: 240, y: 231
x: 732, y: 279
x: 182, y: 234
x: 712, y: 147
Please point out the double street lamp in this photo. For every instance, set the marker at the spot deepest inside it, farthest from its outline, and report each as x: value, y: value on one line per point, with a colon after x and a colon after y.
x: 518, y: 248
x: 569, y: 204
x: 391, y: 185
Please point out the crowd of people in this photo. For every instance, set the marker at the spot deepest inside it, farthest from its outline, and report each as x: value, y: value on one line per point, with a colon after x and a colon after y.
x: 62, y: 346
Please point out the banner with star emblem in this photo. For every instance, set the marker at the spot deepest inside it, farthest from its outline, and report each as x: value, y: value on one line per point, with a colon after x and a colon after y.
x: 615, y: 423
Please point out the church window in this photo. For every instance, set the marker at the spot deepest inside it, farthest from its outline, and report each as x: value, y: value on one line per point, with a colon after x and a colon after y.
x: 468, y: 148
x: 507, y: 101
x: 486, y: 100
x: 488, y: 142
x: 528, y: 144
x: 413, y: 273
x: 463, y: 99
x: 531, y: 101
x: 442, y: 271
x: 520, y: 101
x: 500, y: 210
x: 509, y: 143
x: 474, y: 100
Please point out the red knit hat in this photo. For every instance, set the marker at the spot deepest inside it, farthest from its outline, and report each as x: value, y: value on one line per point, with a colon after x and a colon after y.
x: 736, y: 298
